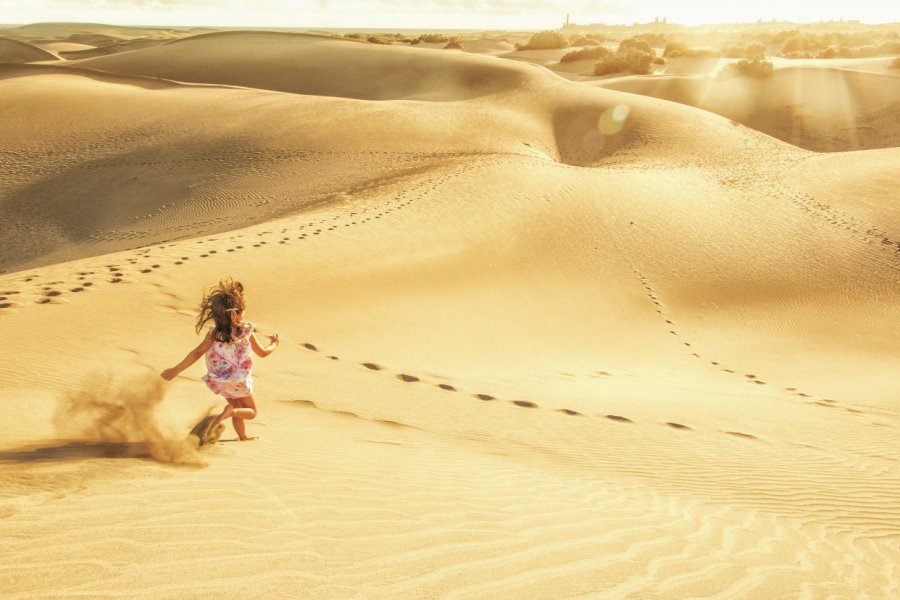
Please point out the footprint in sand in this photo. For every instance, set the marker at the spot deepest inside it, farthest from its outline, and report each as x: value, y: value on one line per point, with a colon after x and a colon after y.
x: 524, y: 403
x: 407, y: 378
x: 677, y: 425
x: 447, y: 386
x: 742, y: 435
x: 373, y: 366
x: 485, y: 397
x: 309, y: 346
x: 620, y: 419
x: 570, y: 412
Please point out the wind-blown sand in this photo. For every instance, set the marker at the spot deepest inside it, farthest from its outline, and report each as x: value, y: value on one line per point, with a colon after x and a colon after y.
x: 519, y: 358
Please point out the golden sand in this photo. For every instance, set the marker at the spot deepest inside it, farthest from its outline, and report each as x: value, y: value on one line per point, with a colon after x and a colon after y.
x: 520, y: 358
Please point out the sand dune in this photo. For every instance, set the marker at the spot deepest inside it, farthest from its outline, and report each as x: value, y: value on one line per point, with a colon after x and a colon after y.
x: 99, y: 189
x: 520, y: 357
x: 14, y: 51
x: 318, y: 65
x: 818, y: 108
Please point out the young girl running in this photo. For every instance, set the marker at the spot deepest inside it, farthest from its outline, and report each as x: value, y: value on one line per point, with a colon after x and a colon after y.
x: 227, y: 348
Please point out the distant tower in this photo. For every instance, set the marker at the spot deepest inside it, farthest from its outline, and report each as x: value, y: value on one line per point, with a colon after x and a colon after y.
x: 567, y: 20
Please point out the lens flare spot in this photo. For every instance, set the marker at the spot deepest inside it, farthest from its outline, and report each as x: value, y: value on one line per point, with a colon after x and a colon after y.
x: 613, y: 119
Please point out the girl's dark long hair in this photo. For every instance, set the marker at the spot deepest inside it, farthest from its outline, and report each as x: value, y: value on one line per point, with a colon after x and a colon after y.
x: 222, y: 305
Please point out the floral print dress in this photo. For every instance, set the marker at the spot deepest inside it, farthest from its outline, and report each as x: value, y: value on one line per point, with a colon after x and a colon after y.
x: 228, y: 366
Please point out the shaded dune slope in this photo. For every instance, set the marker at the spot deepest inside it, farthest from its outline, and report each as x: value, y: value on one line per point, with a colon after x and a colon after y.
x: 818, y: 108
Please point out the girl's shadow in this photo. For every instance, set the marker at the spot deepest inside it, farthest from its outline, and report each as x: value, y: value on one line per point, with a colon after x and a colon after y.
x: 75, y: 450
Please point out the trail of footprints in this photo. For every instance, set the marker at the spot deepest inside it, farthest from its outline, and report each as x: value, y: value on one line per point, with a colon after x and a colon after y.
x: 44, y: 290
x: 689, y: 347
x: 485, y: 397
x: 867, y: 233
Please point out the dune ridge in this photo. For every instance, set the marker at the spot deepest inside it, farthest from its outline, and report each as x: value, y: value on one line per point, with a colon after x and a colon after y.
x: 15, y: 51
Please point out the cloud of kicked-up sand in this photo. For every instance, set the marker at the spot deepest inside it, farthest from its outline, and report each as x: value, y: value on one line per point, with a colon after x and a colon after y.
x: 121, y: 418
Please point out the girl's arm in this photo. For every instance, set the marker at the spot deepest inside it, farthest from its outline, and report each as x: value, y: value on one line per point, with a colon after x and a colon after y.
x: 264, y: 350
x: 191, y: 358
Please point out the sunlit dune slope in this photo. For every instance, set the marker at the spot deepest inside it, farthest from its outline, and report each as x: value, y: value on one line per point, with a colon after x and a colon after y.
x: 14, y: 51
x: 818, y: 108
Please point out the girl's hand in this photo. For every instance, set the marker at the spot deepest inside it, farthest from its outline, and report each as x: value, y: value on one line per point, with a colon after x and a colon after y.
x: 169, y: 374
x: 274, y: 339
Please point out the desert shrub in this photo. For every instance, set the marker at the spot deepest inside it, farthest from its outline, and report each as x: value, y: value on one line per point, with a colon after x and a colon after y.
x: 630, y: 61
x: 634, y: 43
x: 586, y: 53
x: 865, y: 51
x: 384, y: 41
x: 697, y: 53
x: 751, y: 67
x: 453, y: 45
x: 889, y: 48
x: 600, y: 37
x: 355, y: 36
x: 637, y: 62
x: 659, y: 60
x: 796, y: 54
x: 744, y: 51
x: 545, y: 40
x: 895, y: 64
x: 674, y: 47
x: 797, y: 43
x: 415, y: 41
x: 733, y: 51
x: 654, y: 39
x: 583, y: 41
x: 608, y: 65
x: 434, y: 38
x: 756, y: 51
x: 835, y: 52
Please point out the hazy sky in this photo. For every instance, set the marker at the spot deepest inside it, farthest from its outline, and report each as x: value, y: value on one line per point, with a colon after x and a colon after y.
x: 488, y: 14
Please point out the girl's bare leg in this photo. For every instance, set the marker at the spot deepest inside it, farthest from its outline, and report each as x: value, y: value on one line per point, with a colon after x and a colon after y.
x: 242, y: 410
x: 226, y: 412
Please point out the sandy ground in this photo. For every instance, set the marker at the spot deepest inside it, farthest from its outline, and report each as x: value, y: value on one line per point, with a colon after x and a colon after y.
x: 523, y: 355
